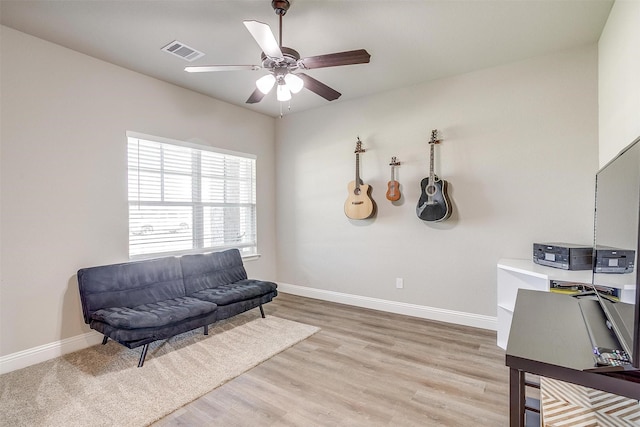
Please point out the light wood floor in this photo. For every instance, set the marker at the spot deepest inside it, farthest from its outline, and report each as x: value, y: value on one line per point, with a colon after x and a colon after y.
x: 364, y: 368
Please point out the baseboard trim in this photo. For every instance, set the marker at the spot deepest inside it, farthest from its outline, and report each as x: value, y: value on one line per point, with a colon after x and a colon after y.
x: 22, y: 359
x: 414, y: 310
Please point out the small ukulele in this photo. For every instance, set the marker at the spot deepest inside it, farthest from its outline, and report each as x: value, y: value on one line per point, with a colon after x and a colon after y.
x: 434, y: 202
x: 393, y: 186
x: 359, y: 204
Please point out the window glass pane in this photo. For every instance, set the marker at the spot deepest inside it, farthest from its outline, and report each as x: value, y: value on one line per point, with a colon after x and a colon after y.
x: 177, y: 159
x: 149, y: 185
x: 229, y: 226
x: 213, y: 189
x: 177, y: 188
x: 155, y: 229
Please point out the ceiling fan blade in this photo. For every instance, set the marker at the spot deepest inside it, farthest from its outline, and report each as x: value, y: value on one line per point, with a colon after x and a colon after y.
x: 255, y: 97
x: 319, y: 88
x: 261, y: 32
x: 210, y: 68
x: 359, y: 56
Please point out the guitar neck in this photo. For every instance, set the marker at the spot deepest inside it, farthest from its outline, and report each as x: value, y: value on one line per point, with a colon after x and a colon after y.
x: 393, y: 164
x: 431, y: 173
x: 358, y: 170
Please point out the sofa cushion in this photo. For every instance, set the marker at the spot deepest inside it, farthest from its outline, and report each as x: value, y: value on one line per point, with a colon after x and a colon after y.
x: 204, y: 271
x: 129, y: 284
x: 234, y: 292
x: 154, y: 314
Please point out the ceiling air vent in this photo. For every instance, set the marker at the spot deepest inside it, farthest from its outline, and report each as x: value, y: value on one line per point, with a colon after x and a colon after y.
x: 183, y: 51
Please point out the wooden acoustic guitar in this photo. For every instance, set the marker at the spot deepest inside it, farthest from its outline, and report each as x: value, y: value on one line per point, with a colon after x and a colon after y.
x: 393, y: 186
x: 359, y: 204
x: 434, y: 204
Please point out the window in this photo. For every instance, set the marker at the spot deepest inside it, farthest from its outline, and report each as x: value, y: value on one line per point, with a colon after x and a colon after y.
x: 189, y: 198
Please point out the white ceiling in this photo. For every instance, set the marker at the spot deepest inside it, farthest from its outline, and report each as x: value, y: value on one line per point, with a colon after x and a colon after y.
x: 409, y: 41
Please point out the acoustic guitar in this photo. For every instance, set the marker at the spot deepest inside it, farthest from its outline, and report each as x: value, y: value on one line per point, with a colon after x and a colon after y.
x: 359, y: 204
x: 434, y: 204
x: 393, y: 186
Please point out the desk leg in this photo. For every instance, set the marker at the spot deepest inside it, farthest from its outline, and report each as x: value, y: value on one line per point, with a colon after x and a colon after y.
x: 516, y: 397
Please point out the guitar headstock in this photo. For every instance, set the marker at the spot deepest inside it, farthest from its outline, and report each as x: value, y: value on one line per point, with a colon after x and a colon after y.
x: 359, y: 148
x: 394, y: 161
x: 434, y: 137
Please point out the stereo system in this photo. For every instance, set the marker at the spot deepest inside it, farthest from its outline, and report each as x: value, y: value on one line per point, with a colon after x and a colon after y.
x: 568, y: 256
x: 614, y: 260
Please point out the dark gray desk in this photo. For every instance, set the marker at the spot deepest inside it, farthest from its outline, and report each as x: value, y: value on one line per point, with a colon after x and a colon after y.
x: 548, y: 338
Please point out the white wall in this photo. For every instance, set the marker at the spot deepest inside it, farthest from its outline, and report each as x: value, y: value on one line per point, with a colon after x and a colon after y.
x: 519, y: 152
x: 64, y: 170
x: 618, y: 79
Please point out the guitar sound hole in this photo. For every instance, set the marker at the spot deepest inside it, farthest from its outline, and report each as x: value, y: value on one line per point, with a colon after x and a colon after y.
x: 431, y: 190
x: 356, y: 191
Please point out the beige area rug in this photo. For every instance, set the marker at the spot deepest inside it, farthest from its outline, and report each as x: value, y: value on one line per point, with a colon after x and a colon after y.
x: 102, y: 385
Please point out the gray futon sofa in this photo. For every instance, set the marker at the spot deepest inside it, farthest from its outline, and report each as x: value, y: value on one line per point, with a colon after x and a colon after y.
x: 136, y: 303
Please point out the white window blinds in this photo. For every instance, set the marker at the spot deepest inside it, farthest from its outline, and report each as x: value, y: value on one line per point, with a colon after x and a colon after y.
x: 184, y: 198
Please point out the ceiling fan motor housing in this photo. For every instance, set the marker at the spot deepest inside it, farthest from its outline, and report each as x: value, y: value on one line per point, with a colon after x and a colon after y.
x: 289, y: 61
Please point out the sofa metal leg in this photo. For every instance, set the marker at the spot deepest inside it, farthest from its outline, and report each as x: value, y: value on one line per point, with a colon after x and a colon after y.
x: 104, y: 340
x: 206, y: 329
x: 143, y: 355
x: 261, y: 311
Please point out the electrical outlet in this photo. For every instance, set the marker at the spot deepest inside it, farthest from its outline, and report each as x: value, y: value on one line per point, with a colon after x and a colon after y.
x: 399, y: 283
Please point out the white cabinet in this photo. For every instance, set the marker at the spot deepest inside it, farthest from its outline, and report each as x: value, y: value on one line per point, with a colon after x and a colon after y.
x: 514, y: 274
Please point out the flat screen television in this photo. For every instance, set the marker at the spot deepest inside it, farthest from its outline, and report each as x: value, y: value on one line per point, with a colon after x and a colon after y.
x: 617, y: 244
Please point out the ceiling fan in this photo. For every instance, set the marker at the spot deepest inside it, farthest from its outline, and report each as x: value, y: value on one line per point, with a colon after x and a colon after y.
x: 284, y: 64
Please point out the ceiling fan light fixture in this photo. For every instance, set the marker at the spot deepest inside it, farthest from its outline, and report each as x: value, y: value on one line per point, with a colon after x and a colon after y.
x: 265, y: 83
x: 283, y: 93
x: 294, y: 83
